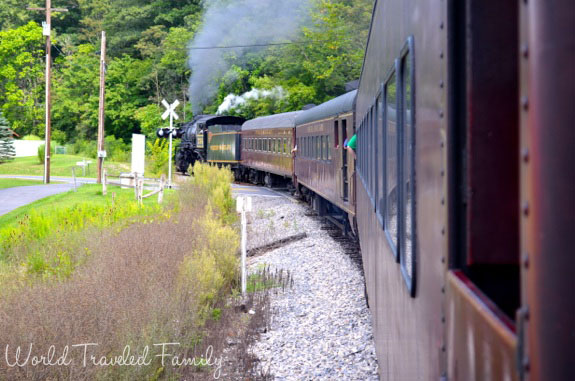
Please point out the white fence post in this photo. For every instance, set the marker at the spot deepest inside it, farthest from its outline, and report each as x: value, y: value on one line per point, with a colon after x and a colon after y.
x: 104, y: 180
x: 244, y: 205
x: 135, y: 178
x: 141, y: 191
x: 161, y: 192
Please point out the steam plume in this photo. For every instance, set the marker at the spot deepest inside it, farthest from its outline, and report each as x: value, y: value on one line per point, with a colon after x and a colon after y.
x: 233, y: 23
x: 234, y: 101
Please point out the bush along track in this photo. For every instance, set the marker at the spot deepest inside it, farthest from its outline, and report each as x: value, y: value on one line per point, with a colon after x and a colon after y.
x: 158, y: 284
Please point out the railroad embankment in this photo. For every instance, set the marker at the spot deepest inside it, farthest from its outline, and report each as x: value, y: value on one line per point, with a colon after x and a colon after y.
x: 110, y: 291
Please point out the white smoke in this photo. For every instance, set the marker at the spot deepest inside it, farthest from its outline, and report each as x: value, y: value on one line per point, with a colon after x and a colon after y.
x: 241, y: 24
x: 233, y: 101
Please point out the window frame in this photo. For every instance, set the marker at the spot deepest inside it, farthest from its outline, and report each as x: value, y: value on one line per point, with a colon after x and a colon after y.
x: 395, y: 248
x: 381, y: 191
x: 407, y: 52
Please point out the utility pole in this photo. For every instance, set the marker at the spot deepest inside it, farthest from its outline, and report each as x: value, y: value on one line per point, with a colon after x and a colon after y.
x: 46, y: 32
x: 101, y: 151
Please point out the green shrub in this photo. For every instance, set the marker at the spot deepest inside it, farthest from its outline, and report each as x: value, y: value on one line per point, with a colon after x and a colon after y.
x: 216, y: 182
x: 116, y: 149
x: 157, y: 157
x: 41, y: 152
x: 86, y: 148
x: 31, y: 137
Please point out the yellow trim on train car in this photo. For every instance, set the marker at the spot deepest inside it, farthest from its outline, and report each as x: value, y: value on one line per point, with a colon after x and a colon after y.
x: 225, y: 133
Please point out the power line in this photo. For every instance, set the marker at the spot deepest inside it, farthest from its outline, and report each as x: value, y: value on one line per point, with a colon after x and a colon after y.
x: 261, y: 45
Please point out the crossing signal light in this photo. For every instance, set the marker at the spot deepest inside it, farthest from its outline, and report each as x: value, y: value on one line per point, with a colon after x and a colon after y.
x: 165, y: 133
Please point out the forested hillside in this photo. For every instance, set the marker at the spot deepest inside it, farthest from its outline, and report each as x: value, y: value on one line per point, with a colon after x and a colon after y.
x: 149, y: 56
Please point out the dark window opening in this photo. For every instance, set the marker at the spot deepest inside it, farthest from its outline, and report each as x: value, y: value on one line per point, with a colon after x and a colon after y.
x: 484, y: 170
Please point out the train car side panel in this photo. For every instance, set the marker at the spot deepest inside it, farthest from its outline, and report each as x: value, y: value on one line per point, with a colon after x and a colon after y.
x: 409, y: 331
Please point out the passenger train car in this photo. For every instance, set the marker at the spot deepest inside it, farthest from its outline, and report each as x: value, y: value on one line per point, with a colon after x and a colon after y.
x: 463, y: 191
x: 323, y: 168
x: 267, y: 145
x: 466, y: 198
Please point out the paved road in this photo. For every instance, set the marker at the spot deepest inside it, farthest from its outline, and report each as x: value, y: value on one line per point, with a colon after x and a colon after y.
x: 12, y: 198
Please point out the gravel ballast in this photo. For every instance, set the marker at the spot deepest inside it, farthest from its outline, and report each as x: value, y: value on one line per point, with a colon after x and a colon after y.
x: 321, y: 328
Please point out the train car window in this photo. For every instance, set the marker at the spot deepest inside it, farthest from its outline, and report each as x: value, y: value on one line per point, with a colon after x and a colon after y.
x: 368, y: 162
x: 380, y: 157
x: 336, y: 134
x: 392, y: 161
x: 287, y: 146
x: 485, y: 178
x: 328, y: 147
x: 408, y: 169
x: 321, y: 145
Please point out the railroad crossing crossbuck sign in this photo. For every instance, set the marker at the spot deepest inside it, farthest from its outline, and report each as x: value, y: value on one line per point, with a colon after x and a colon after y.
x: 172, y: 114
x: 170, y: 110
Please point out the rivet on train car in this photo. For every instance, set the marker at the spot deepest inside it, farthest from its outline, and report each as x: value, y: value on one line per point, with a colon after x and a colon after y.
x: 442, y: 200
x: 525, y: 208
x: 443, y: 319
x: 441, y: 54
x: 525, y: 260
x: 442, y: 259
x: 442, y: 144
x: 441, y: 25
x: 442, y: 172
x: 443, y: 290
x: 524, y: 50
x: 441, y: 113
x: 525, y: 102
x: 443, y: 348
x: 525, y: 155
x: 442, y: 231
x: 441, y: 84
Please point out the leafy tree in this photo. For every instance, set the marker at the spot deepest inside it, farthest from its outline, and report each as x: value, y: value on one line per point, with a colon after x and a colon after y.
x: 76, y: 93
x: 22, y: 77
x: 7, y: 151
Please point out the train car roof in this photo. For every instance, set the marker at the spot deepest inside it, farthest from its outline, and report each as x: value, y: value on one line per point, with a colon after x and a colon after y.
x: 210, y: 120
x: 340, y: 105
x: 284, y: 120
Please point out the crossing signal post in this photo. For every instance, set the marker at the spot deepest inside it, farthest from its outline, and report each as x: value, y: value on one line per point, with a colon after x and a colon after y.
x: 170, y: 113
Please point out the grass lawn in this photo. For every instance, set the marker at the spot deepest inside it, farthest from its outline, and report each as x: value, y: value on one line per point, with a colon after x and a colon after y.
x: 88, y: 193
x: 11, y: 183
x: 60, y: 165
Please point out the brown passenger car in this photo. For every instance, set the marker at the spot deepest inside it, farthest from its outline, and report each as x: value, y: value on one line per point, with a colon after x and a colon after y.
x: 323, y: 167
x: 267, y: 144
x: 466, y: 195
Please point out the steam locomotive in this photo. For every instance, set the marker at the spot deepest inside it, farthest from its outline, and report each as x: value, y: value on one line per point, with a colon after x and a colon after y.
x: 462, y: 194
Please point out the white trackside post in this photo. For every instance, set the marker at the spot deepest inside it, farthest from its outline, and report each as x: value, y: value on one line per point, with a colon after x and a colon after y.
x: 244, y: 205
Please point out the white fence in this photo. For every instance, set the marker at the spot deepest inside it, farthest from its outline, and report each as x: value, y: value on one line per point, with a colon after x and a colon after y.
x: 27, y: 147
x: 132, y: 180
